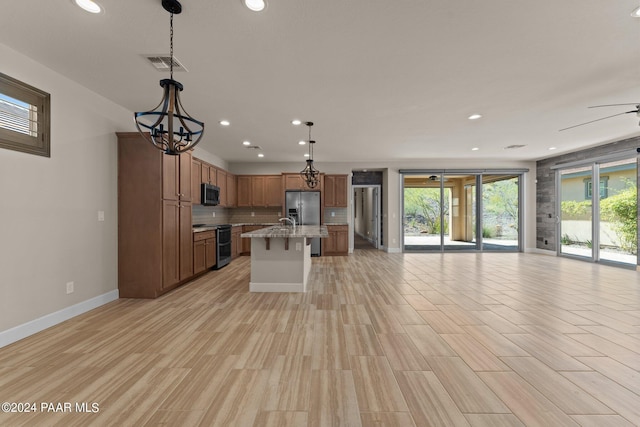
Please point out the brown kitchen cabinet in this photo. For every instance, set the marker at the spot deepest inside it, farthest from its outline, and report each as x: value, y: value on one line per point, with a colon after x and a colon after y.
x: 232, y: 195
x: 196, y: 181
x: 208, y: 174
x: 236, y: 241
x: 177, y: 247
x: 243, y: 183
x: 273, y: 190
x: 259, y: 190
x: 293, y: 181
x: 335, y: 191
x: 221, y: 177
x: 204, y: 251
x: 176, y: 177
x: 155, y: 247
x: 338, y: 241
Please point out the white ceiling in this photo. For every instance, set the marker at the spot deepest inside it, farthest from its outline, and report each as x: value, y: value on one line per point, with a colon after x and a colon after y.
x: 382, y: 80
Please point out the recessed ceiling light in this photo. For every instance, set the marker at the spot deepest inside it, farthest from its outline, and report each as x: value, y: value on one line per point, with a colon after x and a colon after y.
x: 636, y: 12
x: 475, y: 116
x: 302, y: 142
x: 552, y: 148
x: 306, y: 154
x: 246, y: 143
x: 475, y: 149
x: 89, y: 5
x: 225, y: 122
x: 260, y: 155
x: 255, y: 5
x: 296, y: 122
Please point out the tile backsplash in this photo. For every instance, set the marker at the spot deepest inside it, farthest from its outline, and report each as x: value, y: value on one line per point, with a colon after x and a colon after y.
x: 339, y: 215
x: 204, y: 215
x: 255, y: 215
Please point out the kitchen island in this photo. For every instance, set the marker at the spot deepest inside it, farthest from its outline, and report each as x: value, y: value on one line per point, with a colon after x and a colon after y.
x: 281, y: 257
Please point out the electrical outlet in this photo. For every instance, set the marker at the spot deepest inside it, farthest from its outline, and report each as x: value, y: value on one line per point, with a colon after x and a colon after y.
x: 213, y: 214
x: 253, y: 214
x: 298, y: 247
x: 69, y: 288
x: 100, y: 215
x: 333, y: 213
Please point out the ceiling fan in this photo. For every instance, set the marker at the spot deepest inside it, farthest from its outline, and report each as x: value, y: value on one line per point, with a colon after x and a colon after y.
x: 637, y: 111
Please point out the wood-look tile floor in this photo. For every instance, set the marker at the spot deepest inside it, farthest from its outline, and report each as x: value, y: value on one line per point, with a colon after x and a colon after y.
x: 379, y: 340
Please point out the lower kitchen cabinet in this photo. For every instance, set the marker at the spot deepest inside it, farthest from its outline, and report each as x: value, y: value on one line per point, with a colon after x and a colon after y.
x: 204, y: 251
x: 236, y: 241
x: 338, y: 241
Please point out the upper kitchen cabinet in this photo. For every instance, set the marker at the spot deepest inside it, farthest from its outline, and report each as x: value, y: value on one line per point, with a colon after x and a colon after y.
x: 232, y: 195
x: 221, y: 178
x: 273, y: 190
x: 259, y: 190
x: 176, y: 177
x: 243, y: 191
x: 208, y: 174
x: 196, y: 181
x: 293, y: 181
x: 335, y: 191
x: 155, y: 248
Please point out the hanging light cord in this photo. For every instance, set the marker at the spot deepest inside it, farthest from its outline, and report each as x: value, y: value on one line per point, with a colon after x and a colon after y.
x: 171, y: 44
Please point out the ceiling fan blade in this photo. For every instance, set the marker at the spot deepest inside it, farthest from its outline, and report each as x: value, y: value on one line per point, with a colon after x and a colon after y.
x: 597, y: 120
x: 613, y: 105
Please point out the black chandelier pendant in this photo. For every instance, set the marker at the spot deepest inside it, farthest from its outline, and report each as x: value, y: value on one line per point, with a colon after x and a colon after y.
x: 310, y: 174
x: 168, y: 126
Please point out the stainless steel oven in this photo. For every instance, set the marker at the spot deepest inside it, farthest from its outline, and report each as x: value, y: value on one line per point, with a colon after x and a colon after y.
x: 223, y: 237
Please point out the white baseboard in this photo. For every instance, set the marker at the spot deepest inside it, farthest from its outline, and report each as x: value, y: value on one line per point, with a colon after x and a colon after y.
x: 276, y: 287
x: 34, y: 326
x: 540, y: 251
x: 393, y: 250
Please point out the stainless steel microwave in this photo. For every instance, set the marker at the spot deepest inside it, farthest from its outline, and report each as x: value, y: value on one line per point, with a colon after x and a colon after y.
x: 210, y: 195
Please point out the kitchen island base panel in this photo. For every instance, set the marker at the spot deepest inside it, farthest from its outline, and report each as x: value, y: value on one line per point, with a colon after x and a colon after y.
x: 278, y: 269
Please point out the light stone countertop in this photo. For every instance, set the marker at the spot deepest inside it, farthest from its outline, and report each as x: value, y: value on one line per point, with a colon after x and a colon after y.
x: 289, y: 231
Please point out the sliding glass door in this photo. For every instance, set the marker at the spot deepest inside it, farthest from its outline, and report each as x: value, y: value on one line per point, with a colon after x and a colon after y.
x: 599, y: 211
x: 442, y: 212
x: 576, y: 218
x: 618, y: 225
x: 500, y: 212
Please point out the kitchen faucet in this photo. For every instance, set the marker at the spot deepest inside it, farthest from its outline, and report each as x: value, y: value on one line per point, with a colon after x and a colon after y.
x: 291, y: 220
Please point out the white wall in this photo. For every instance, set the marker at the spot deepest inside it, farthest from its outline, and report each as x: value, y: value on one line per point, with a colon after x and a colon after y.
x: 49, y: 229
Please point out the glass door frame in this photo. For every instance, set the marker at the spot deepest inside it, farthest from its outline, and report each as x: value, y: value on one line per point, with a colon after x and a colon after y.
x: 479, y: 246
x: 594, y: 164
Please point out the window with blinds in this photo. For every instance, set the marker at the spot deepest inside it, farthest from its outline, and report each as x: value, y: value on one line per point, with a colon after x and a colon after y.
x: 24, y: 117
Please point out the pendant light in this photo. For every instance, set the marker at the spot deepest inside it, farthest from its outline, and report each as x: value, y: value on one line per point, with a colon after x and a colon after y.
x: 310, y: 174
x: 168, y: 126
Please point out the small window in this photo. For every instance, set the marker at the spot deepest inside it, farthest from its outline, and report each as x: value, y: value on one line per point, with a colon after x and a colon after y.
x: 604, y: 188
x: 24, y: 117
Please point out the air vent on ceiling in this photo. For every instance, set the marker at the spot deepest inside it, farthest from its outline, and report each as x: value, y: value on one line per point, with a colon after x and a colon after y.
x: 514, y: 146
x: 162, y: 62
x: 253, y: 147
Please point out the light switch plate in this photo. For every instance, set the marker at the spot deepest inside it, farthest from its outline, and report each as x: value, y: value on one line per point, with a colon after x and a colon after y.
x: 100, y: 215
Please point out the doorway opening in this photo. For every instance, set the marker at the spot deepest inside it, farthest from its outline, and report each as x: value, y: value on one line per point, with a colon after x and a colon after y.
x: 366, y: 217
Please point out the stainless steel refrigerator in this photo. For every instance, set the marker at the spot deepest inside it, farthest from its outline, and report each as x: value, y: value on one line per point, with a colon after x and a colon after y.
x: 304, y: 208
